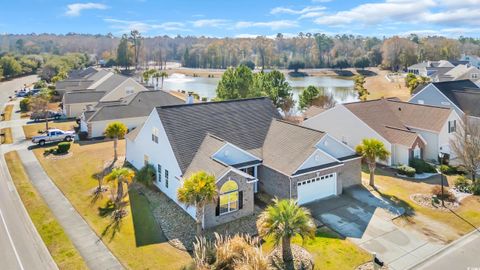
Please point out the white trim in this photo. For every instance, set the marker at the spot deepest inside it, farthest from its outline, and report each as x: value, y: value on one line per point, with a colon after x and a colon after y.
x: 319, y: 170
x: 230, y: 168
x: 421, y: 138
x: 351, y: 158
x: 366, y: 124
x: 335, y: 139
x: 234, y: 146
x: 319, y: 150
x: 440, y: 94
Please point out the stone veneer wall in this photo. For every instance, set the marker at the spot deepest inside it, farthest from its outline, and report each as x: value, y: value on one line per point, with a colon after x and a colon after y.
x: 212, y: 220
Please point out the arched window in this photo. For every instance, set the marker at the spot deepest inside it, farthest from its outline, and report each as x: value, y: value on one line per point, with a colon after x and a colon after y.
x: 228, y: 197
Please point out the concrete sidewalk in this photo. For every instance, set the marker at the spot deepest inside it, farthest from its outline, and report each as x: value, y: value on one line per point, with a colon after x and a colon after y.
x: 460, y: 254
x: 90, y: 246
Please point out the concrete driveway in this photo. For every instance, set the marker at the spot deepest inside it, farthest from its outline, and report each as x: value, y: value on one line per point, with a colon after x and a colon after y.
x: 367, y: 221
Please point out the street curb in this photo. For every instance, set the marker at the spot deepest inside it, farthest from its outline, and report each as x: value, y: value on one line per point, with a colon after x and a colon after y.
x: 445, y: 248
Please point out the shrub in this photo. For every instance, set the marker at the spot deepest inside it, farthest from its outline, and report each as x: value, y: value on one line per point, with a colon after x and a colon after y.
x: 63, y: 147
x: 421, y: 166
x: 447, y: 194
x: 445, y: 169
x: 406, y: 170
x: 48, y: 151
x: 146, y: 175
x: 463, y: 184
x: 476, y: 188
x: 461, y: 170
x: 25, y: 104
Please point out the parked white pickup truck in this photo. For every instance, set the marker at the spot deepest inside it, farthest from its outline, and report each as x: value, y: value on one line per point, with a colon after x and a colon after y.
x: 53, y: 135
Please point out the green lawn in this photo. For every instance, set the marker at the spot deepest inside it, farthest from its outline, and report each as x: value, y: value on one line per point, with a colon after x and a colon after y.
x: 74, y: 177
x: 147, y: 231
x: 330, y: 251
x: 63, y: 252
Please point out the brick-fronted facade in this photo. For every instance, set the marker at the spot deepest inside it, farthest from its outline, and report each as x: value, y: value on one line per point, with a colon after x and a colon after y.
x: 273, y: 182
x: 212, y: 219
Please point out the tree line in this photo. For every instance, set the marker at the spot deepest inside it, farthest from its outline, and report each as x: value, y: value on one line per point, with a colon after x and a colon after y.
x: 311, y: 50
x: 50, y: 67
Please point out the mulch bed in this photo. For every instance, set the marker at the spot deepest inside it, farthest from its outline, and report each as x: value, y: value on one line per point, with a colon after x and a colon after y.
x: 369, y: 266
x: 302, y: 259
x: 426, y: 200
x: 59, y: 156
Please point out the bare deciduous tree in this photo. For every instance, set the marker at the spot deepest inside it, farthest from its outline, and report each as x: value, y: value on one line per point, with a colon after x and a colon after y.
x: 466, y: 145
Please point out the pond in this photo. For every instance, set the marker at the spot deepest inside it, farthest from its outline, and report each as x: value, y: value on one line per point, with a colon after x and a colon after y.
x: 342, y: 89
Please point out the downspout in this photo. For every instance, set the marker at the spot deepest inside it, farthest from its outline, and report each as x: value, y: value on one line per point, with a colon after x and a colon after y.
x: 290, y: 188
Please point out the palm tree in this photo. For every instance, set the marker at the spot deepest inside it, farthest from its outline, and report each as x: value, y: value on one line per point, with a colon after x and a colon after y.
x: 121, y: 176
x: 198, y: 190
x: 283, y: 220
x: 371, y: 150
x: 164, y: 75
x: 115, y: 131
x: 156, y: 75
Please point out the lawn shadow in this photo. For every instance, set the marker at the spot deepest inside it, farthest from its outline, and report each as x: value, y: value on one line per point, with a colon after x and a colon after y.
x: 115, y: 225
x: 343, y: 72
x: 366, y: 72
x: 146, y: 228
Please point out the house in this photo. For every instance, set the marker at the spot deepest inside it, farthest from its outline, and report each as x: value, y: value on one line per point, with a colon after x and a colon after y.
x: 463, y: 96
x: 132, y: 110
x: 427, y: 68
x: 110, y: 88
x: 248, y: 148
x: 81, y: 79
x: 462, y: 72
x: 473, y: 60
x: 407, y: 130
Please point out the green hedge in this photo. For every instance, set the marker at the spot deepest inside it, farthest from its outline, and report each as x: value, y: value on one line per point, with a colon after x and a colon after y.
x: 421, y: 166
x: 63, y: 148
x: 406, y: 170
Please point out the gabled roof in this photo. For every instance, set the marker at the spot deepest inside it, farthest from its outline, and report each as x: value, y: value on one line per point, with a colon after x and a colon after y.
x: 392, y: 119
x: 82, y: 97
x: 81, y: 73
x: 288, y: 145
x: 111, y: 83
x: 203, y: 159
x: 244, y: 123
x: 137, y: 105
x: 449, y: 85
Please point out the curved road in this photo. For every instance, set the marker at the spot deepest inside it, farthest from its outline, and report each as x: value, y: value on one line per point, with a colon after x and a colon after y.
x: 20, y: 244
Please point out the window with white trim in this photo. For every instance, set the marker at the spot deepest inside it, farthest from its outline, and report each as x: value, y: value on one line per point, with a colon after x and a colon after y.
x: 155, y: 133
x: 159, y: 173
x: 452, y: 126
x: 474, y: 75
x: 166, y: 178
x: 228, y: 197
x: 129, y: 90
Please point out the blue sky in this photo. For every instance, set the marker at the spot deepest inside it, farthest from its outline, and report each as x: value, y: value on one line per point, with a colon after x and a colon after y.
x: 234, y: 18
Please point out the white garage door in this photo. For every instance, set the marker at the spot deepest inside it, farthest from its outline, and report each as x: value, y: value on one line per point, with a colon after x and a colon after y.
x: 317, y: 188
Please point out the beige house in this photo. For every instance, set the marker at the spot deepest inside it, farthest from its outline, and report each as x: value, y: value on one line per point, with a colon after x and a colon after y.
x: 110, y: 88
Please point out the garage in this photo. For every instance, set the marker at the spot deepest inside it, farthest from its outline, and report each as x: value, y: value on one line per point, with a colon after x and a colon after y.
x: 317, y: 188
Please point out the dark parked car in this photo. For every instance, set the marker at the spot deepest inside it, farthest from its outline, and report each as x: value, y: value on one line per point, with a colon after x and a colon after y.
x: 22, y: 93
x: 48, y: 114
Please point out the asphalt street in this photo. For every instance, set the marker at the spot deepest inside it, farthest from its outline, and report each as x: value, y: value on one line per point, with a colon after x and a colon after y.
x: 20, y: 244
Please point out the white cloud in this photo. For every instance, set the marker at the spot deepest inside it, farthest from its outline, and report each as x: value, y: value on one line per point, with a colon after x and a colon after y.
x: 284, y: 10
x: 311, y: 15
x: 371, y: 13
x: 274, y: 25
x: 77, y: 8
x: 125, y: 26
x: 210, y: 23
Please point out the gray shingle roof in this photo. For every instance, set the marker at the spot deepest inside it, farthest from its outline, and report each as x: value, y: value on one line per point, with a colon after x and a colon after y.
x: 288, y: 145
x: 82, y: 73
x: 111, y: 83
x: 137, y: 105
x: 244, y: 123
x: 83, y: 97
x: 465, y: 94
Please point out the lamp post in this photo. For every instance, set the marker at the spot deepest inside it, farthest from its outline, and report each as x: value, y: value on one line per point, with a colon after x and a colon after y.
x: 442, y: 156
